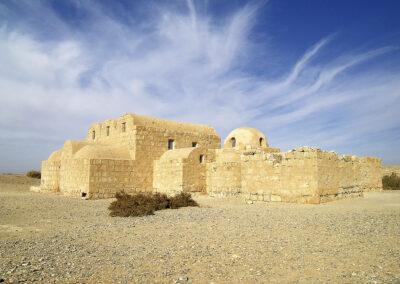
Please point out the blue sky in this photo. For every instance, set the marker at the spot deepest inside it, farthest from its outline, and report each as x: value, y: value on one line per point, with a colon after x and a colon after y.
x: 318, y: 73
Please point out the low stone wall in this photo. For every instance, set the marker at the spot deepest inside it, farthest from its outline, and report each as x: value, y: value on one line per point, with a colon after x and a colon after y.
x: 223, y: 175
x: 304, y: 175
x: 389, y: 169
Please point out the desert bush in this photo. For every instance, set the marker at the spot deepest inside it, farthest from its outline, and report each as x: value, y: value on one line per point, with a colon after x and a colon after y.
x: 141, y: 204
x: 183, y: 199
x: 391, y: 182
x: 34, y: 174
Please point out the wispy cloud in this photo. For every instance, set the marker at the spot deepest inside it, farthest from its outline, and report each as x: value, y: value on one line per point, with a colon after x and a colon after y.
x: 182, y: 64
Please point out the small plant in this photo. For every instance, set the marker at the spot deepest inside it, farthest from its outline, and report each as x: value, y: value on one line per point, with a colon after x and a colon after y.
x: 34, y: 174
x: 391, y: 182
x: 142, y: 204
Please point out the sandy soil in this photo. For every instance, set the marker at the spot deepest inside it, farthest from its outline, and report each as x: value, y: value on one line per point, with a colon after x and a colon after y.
x: 51, y: 238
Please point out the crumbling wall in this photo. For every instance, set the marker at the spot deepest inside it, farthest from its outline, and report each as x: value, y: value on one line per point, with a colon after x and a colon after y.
x: 370, y: 175
x: 299, y: 176
x: 388, y: 170
x: 260, y: 175
x: 223, y: 175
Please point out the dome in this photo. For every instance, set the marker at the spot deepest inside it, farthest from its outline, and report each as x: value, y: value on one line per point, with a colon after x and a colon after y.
x: 103, y: 152
x: 246, y: 137
x: 55, y: 156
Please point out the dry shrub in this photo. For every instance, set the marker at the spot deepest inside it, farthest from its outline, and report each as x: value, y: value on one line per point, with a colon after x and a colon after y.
x: 34, y: 174
x: 391, y: 182
x: 142, y: 204
x: 183, y: 199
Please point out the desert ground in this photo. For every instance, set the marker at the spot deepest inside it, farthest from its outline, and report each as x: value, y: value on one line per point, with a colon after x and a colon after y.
x: 48, y: 238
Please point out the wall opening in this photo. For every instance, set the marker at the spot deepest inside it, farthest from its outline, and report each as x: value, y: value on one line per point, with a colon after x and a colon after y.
x: 171, y: 144
x: 194, y: 144
x: 201, y: 159
x: 83, y: 194
x: 123, y: 126
x: 261, y: 141
x: 233, y: 142
x: 108, y: 130
x: 93, y: 134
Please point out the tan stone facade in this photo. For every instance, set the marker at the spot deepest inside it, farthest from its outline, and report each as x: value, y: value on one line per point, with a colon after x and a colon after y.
x: 389, y: 169
x: 136, y: 153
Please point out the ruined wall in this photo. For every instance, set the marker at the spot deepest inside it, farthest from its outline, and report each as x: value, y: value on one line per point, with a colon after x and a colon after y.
x: 387, y: 170
x: 370, y: 175
x: 299, y: 176
x: 223, y: 175
x: 303, y: 175
x: 260, y: 175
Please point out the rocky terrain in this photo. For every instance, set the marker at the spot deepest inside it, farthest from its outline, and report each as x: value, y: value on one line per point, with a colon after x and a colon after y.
x: 49, y: 238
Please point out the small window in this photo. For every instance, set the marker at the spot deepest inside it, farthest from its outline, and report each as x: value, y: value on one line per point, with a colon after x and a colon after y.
x: 201, y: 159
x: 233, y: 142
x: 108, y: 130
x: 194, y: 144
x: 93, y: 134
x: 261, y: 141
x: 171, y: 144
x: 123, y: 126
x: 83, y: 194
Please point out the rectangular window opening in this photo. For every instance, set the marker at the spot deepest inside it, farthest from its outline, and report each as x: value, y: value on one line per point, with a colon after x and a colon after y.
x: 123, y: 126
x: 93, y: 134
x: 108, y: 130
x: 194, y: 144
x: 171, y: 144
x: 201, y: 159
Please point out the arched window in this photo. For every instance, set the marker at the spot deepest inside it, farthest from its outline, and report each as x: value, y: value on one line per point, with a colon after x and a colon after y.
x: 93, y: 134
x: 123, y: 126
x: 261, y: 141
x: 233, y: 142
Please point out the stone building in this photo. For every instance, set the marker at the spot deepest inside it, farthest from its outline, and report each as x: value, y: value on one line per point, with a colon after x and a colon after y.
x: 137, y: 153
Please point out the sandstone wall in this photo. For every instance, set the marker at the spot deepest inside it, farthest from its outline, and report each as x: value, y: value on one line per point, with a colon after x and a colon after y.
x: 260, y: 175
x: 304, y: 175
x: 370, y: 175
x: 387, y: 170
x: 151, y: 143
x: 181, y: 170
x: 50, y: 175
x: 74, y: 177
x: 223, y: 175
x: 108, y: 177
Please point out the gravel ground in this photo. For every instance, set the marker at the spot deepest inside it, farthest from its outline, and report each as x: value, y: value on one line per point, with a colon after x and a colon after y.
x: 54, y: 239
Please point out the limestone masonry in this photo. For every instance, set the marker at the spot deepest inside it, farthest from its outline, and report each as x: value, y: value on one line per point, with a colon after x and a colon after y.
x: 136, y: 153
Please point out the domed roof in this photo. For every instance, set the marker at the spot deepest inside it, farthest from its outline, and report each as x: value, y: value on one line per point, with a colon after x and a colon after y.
x: 246, y: 137
x: 93, y: 151
x: 55, y: 156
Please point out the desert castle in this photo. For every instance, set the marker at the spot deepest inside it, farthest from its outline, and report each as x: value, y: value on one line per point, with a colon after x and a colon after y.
x: 138, y: 153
